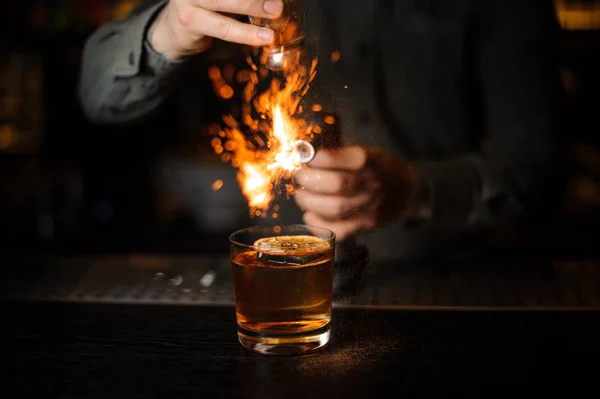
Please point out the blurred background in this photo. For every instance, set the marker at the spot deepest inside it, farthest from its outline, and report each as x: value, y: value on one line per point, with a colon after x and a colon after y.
x: 69, y: 186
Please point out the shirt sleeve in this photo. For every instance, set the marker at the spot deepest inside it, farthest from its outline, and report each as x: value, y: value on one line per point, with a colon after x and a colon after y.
x: 122, y: 79
x: 517, y: 176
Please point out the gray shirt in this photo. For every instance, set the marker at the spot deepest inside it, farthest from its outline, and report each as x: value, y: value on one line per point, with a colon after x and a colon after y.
x: 467, y: 89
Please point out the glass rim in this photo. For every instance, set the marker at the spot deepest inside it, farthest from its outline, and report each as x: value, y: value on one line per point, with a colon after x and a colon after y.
x: 256, y: 228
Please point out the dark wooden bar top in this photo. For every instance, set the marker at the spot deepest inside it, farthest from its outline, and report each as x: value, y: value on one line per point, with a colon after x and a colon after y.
x: 147, y: 326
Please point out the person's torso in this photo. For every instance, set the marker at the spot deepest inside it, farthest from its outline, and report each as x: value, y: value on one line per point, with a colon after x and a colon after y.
x: 406, y: 76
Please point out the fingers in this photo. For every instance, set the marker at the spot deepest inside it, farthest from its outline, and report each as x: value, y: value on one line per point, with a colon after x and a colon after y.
x: 343, y: 229
x: 345, y: 158
x: 209, y: 23
x: 254, y: 8
x: 184, y: 27
x: 333, y: 207
x: 325, y: 181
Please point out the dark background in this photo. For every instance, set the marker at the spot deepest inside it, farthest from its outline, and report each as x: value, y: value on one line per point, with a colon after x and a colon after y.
x: 67, y: 185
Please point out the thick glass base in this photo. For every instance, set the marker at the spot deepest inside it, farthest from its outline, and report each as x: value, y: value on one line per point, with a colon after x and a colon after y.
x: 282, y: 345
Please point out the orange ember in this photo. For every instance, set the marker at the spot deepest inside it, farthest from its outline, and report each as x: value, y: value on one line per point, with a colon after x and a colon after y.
x: 335, y: 56
x: 217, y: 185
x: 260, y: 143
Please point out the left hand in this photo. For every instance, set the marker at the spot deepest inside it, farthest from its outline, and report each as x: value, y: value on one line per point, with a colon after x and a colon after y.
x: 354, y: 189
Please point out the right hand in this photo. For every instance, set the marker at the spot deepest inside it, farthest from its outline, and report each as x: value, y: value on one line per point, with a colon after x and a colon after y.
x: 186, y: 27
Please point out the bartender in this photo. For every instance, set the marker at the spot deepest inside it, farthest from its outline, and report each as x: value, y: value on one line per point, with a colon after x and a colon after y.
x: 448, y: 108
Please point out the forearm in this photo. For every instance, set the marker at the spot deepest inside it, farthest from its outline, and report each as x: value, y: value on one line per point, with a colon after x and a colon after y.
x: 122, y: 79
x: 484, y: 191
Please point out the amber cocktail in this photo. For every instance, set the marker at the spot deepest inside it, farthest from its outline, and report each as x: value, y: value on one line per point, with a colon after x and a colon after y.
x: 283, y: 282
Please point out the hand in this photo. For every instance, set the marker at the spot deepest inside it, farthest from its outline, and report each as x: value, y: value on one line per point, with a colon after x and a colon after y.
x: 355, y: 189
x: 186, y: 27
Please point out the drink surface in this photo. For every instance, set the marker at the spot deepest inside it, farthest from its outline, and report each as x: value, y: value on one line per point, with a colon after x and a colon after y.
x: 284, y: 286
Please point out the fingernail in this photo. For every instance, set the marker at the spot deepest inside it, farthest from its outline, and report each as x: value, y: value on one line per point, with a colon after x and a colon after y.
x: 273, y: 7
x: 266, y: 35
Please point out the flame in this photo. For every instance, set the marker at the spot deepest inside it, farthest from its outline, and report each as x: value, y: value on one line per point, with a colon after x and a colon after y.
x: 259, y: 143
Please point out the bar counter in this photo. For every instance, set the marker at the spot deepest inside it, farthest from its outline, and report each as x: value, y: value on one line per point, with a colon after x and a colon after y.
x: 146, y: 325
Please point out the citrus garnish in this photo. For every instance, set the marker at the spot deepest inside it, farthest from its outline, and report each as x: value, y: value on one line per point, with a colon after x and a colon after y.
x: 292, y: 245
